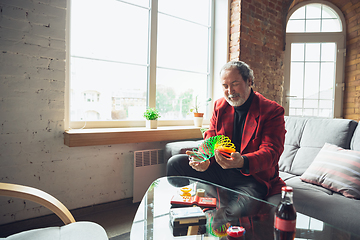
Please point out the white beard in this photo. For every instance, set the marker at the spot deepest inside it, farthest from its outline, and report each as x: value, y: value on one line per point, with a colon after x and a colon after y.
x: 233, y: 103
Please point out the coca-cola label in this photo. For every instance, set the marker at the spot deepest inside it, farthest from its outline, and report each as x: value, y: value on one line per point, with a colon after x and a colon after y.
x: 285, y: 225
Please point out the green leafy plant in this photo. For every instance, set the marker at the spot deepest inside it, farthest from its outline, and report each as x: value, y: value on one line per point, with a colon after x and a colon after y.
x: 197, y: 105
x: 151, y: 114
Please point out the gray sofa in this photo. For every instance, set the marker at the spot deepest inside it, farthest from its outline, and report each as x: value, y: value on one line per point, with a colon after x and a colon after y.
x: 304, y: 139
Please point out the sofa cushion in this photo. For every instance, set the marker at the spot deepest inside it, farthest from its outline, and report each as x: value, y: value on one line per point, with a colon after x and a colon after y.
x: 309, y: 135
x: 334, y: 209
x: 297, y: 183
x: 286, y: 176
x: 337, y: 169
x: 355, y: 140
x: 180, y: 147
x: 294, y: 127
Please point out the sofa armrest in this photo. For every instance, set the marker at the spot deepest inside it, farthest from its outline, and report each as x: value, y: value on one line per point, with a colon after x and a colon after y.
x: 180, y: 147
x: 38, y: 196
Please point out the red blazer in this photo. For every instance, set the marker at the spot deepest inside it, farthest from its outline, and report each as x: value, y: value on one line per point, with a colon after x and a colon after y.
x: 263, y: 137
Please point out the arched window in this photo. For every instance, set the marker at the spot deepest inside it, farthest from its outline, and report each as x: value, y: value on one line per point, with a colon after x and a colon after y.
x: 314, y: 17
x: 314, y: 57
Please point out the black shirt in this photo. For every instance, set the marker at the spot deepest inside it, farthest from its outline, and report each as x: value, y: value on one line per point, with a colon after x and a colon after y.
x: 239, y: 122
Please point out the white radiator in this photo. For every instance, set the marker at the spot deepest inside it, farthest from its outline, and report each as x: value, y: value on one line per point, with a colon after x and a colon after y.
x: 148, y: 166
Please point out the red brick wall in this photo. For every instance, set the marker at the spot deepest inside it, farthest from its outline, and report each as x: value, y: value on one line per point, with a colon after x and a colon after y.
x: 351, y: 11
x: 257, y: 37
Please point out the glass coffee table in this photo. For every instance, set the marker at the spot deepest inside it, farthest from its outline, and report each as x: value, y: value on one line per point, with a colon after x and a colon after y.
x: 153, y: 221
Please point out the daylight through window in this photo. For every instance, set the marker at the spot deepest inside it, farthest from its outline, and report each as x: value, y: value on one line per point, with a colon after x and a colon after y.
x: 315, y: 53
x: 110, y: 58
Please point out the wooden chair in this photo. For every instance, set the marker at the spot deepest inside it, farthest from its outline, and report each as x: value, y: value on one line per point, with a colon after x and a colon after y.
x: 78, y: 230
x: 38, y: 196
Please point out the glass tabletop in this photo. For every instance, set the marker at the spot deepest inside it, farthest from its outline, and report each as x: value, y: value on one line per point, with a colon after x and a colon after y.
x: 153, y: 219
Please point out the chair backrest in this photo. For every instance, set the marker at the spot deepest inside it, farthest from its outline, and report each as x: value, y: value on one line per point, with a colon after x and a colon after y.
x: 38, y: 196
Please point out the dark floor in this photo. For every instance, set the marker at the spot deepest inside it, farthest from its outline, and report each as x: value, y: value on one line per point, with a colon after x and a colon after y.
x: 115, y: 217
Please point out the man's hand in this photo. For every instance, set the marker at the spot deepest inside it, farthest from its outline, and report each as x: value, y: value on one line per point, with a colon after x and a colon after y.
x: 235, y: 161
x: 197, y: 163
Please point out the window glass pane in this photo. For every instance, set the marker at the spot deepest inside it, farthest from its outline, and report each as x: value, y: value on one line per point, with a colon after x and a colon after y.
x: 313, y: 25
x: 325, y: 112
x: 297, y: 52
x: 92, y: 116
x: 105, y: 84
x: 299, y: 14
x: 331, y: 25
x: 326, y: 104
x: 326, y: 108
x: 144, y: 3
x: 310, y: 103
x: 327, y: 12
x: 176, y: 91
x: 299, y: 112
x: 296, y: 107
x: 105, y: 36
x: 297, y: 78
x: 310, y: 112
x: 312, y: 52
x: 296, y: 103
x: 121, y: 89
x: 317, y: 81
x: 319, y: 18
x: 295, y: 26
x: 311, y: 80
x: 182, y: 47
x: 109, y: 58
x: 327, y: 79
x: 328, y: 51
x: 313, y: 11
x: 197, y: 11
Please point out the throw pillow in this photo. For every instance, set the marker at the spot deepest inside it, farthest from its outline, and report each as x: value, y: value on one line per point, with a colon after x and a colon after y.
x: 336, y: 169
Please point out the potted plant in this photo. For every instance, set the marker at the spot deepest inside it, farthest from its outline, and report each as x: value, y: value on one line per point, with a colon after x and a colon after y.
x: 198, y: 116
x: 151, y: 115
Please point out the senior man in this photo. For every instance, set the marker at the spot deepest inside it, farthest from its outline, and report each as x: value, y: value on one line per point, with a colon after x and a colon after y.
x: 254, y: 124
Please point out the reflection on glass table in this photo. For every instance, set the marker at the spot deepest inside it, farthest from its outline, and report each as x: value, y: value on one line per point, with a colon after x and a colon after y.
x: 152, y: 219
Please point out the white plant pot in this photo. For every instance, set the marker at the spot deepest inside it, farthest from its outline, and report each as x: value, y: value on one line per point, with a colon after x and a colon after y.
x: 151, y: 124
x: 198, y: 121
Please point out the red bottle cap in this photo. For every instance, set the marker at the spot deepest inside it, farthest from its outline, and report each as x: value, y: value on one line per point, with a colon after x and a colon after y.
x: 287, y: 189
x: 235, y: 231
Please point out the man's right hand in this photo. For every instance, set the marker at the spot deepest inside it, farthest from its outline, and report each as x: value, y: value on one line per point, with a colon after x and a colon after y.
x: 197, y: 163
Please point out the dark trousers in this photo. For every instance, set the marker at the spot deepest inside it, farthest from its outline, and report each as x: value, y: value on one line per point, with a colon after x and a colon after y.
x: 235, y: 206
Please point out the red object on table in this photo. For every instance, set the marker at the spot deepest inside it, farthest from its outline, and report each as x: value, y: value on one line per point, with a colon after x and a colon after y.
x: 194, y: 200
x: 235, y: 232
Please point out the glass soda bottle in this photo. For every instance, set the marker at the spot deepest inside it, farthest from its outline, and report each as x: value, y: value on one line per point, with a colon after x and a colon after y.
x: 285, y: 216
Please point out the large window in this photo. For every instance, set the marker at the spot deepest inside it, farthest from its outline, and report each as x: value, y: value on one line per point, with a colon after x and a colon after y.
x: 315, y: 40
x: 127, y: 55
x: 315, y: 17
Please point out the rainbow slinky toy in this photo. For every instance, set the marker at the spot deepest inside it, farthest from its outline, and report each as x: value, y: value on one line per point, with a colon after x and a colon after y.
x: 207, y: 150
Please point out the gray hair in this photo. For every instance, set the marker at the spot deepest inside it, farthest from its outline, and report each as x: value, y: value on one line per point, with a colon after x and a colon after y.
x: 244, y: 70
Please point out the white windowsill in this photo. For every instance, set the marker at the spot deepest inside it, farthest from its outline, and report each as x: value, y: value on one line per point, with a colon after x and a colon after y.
x: 110, y: 136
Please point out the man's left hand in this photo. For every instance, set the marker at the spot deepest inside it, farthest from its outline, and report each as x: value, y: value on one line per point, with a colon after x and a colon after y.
x: 235, y: 161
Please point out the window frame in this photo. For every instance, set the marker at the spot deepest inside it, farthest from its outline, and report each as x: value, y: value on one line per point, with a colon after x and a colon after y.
x: 217, y: 56
x: 308, y: 37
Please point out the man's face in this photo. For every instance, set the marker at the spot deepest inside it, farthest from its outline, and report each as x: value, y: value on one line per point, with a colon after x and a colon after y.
x: 236, y: 90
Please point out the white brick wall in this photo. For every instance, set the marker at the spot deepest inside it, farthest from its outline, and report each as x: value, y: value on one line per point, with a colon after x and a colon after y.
x: 32, y: 91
